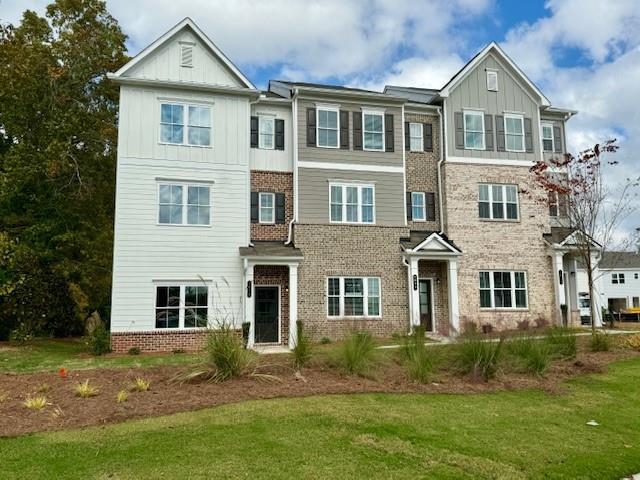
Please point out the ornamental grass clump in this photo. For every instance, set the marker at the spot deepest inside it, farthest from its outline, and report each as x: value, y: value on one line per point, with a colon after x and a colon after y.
x: 531, y: 355
x: 122, y: 396
x: 36, y: 403
x: 479, y: 357
x: 140, y: 385
x: 302, y: 350
x: 416, y: 357
x: 562, y: 342
x: 357, y: 353
x: 600, y: 342
x: 86, y: 390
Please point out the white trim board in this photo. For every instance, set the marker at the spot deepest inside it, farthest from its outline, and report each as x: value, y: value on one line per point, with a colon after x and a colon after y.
x: 350, y: 166
x: 490, y: 161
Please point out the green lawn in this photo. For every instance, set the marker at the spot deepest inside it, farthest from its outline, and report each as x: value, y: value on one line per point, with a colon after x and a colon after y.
x: 52, y: 354
x: 525, y: 434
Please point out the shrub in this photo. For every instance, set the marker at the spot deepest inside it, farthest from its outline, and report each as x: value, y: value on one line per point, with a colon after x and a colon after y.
x: 600, y: 342
x: 122, y: 397
x: 479, y: 357
x: 22, y: 333
x: 85, y: 390
x: 302, y: 350
x: 226, y: 355
x: 98, y: 340
x: 561, y: 342
x: 36, y: 403
x: 140, y: 385
x: 541, y: 322
x: 357, y: 353
x: 487, y: 328
x: 633, y: 341
x: 178, y: 351
x: 523, y: 325
x: 416, y: 358
x: 134, y: 351
x: 534, y: 355
x: 325, y: 341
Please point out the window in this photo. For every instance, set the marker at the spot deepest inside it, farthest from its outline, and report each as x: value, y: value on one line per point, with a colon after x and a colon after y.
x: 617, y: 278
x: 373, y: 131
x: 351, y: 203
x: 547, y: 137
x: 353, y: 297
x: 172, y: 124
x: 327, y: 127
x: 267, y: 208
x: 492, y: 80
x: 635, y: 301
x: 418, y: 212
x: 173, y: 210
x: 182, y: 306
x: 498, y: 202
x: 503, y: 289
x: 553, y: 204
x: 514, y: 133
x: 474, y: 130
x: 266, y: 132
x: 416, y: 142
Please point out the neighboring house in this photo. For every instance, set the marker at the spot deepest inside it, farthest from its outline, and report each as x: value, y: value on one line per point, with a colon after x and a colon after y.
x: 340, y: 207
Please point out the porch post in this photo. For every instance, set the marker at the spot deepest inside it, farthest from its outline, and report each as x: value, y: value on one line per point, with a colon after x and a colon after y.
x: 293, y: 304
x: 248, y: 292
x: 454, y: 311
x: 413, y: 292
x: 597, y: 298
x: 558, y: 287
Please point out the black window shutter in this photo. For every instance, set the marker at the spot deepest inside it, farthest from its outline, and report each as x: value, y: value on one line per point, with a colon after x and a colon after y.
x: 279, y: 126
x: 344, y: 130
x: 311, y: 127
x: 357, y: 130
x: 557, y: 139
x: 459, y: 126
x: 254, y: 207
x: 280, y: 207
x: 427, y: 137
x: 409, y: 207
x: 407, y: 136
x: 430, y: 206
x: 500, y: 133
x: 488, y: 132
x: 254, y: 132
x: 528, y: 135
x: 388, y: 133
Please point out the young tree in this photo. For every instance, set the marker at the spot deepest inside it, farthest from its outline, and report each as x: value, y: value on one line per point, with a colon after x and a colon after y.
x: 593, y: 209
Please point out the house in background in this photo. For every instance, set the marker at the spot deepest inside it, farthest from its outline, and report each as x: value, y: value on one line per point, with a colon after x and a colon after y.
x: 340, y: 207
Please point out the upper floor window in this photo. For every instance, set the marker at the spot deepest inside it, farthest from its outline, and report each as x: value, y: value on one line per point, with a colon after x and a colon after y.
x: 416, y: 142
x: 373, y: 131
x: 514, y: 132
x: 328, y: 127
x: 351, y: 203
x: 267, y: 207
x: 497, y: 202
x: 474, y: 130
x: 617, y: 278
x: 182, y: 306
x: 353, y: 297
x: 177, y: 119
x: 503, y: 289
x: 266, y: 132
x: 492, y: 80
x: 418, y: 212
x: 558, y: 204
x: 547, y: 137
x: 175, y: 209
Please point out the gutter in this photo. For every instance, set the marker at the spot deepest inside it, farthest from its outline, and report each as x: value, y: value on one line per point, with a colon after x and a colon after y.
x: 294, y: 116
x: 443, y: 126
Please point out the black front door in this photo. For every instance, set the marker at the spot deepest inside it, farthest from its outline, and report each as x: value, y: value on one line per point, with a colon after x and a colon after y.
x: 426, y: 315
x: 266, y: 314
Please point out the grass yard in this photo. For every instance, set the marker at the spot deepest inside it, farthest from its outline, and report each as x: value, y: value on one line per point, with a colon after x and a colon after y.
x: 523, y: 434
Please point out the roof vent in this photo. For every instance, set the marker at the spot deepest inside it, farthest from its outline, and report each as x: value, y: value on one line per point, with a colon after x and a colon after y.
x: 186, y: 55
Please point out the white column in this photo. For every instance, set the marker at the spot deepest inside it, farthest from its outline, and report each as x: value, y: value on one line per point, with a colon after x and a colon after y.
x: 414, y: 314
x: 249, y: 302
x: 293, y: 305
x: 597, y: 298
x: 454, y: 310
x: 558, y: 273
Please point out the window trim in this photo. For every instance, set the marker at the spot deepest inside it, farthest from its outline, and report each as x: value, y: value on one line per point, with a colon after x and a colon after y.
x: 512, y: 116
x: 424, y: 207
x: 273, y: 207
x: 359, y: 186
x: 493, y: 73
x: 185, y: 126
x: 553, y: 142
x: 379, y: 113
x: 512, y: 289
x: 365, y: 297
x: 464, y: 128
x: 327, y: 108
x: 618, y: 278
x: 421, y: 137
x: 185, y: 204
x: 271, y: 119
x: 182, y: 307
x: 504, y: 202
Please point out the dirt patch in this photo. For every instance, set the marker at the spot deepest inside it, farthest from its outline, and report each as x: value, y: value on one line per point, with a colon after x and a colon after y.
x: 65, y: 410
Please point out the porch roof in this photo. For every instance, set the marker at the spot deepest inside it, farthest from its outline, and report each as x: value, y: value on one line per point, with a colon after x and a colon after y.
x: 418, y: 240
x: 264, y: 249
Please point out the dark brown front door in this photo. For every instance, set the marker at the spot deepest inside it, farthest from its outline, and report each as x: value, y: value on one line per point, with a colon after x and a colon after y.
x: 267, y: 307
x: 426, y: 315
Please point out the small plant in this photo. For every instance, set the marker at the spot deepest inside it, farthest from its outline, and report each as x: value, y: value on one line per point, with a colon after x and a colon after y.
x: 122, y: 397
x: 479, y: 357
x: 469, y: 328
x: 99, y: 340
x: 523, y: 325
x: 600, y: 342
x: 325, y: 341
x: 534, y: 355
x: 541, y: 322
x: 36, y: 403
x: 357, y: 354
x: 134, y: 351
x: 633, y: 342
x: 487, y: 328
x: 140, y: 385
x: 417, y: 360
x: 3, y: 397
x: 302, y: 350
x: 44, y: 388
x: 23, y: 333
x: 178, y: 351
x: 85, y: 390
x: 562, y: 342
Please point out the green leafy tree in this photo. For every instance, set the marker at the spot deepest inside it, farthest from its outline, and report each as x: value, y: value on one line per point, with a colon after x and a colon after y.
x: 58, y: 132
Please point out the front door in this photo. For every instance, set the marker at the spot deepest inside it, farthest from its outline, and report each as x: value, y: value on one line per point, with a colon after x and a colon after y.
x: 266, y: 317
x: 426, y: 314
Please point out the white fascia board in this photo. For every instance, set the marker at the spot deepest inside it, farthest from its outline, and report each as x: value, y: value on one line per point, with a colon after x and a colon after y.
x: 350, y: 166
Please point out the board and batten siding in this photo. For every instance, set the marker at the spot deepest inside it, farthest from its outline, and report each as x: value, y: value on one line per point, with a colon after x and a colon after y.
x: 511, y: 97
x: 313, y: 194
x: 557, y: 123
x: 273, y: 160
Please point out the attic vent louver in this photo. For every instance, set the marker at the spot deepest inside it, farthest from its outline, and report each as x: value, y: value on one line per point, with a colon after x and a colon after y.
x: 186, y: 55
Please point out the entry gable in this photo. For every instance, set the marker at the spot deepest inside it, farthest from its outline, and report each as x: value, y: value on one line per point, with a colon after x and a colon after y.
x: 432, y: 242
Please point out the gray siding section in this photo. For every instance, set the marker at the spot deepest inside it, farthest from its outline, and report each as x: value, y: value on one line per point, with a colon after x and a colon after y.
x: 313, y: 197
x: 511, y: 97
x: 336, y: 155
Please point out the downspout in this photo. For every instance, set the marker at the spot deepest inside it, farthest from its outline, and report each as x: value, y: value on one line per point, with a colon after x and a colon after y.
x: 257, y: 100
x: 409, y: 287
x: 443, y: 123
x: 294, y: 115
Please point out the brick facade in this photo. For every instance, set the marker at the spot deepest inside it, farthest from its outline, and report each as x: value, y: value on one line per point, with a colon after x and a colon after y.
x: 276, y: 182
x: 158, y: 340
x: 276, y: 275
x: 437, y: 272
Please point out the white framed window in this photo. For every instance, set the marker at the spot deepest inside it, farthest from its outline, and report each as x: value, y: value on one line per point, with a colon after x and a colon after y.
x: 416, y: 141
x: 503, y: 289
x: 498, y: 202
x: 327, y: 127
x: 473, y: 130
x: 492, y: 80
x: 514, y: 132
x: 353, y: 297
x: 181, y: 306
x: 418, y: 209
x: 373, y: 130
x: 185, y: 124
x: 617, y: 278
x: 547, y: 137
x: 266, y: 132
x: 635, y: 302
x: 267, y: 210
x: 183, y: 204
x: 351, y: 203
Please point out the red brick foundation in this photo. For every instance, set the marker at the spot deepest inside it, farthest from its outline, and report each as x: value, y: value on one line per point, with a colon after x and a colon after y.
x: 158, y: 340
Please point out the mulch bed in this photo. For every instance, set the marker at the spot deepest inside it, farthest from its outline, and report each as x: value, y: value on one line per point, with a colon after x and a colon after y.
x: 165, y: 396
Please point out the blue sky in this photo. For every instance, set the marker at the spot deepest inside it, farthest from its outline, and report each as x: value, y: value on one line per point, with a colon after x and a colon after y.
x: 584, y: 54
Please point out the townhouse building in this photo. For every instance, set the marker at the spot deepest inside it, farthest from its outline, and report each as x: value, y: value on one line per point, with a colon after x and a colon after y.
x: 339, y: 207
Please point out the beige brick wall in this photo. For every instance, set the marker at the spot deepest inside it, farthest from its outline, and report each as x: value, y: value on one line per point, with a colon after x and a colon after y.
x: 276, y: 182
x: 498, y: 245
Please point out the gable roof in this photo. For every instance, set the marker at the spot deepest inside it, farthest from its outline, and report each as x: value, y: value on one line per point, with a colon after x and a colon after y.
x: 478, y: 57
x: 620, y: 260
x: 425, y: 240
x: 565, y: 237
x: 186, y: 23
